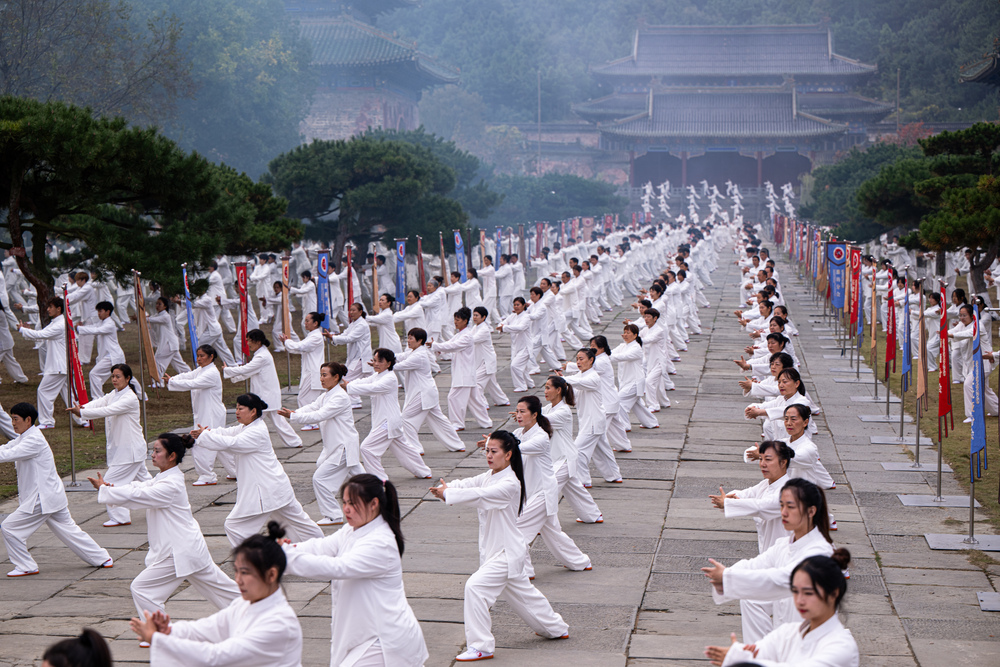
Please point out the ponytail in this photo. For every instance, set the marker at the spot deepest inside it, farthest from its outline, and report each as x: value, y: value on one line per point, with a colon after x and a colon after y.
x: 87, y: 650
x: 509, y: 443
x: 559, y: 382
x: 534, y: 406
x: 363, y: 489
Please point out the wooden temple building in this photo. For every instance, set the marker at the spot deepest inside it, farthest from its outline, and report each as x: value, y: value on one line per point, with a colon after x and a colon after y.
x: 746, y: 103
x: 366, y: 77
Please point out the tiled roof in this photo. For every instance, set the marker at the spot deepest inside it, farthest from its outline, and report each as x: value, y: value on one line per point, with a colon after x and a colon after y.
x: 830, y: 105
x: 346, y: 42
x: 986, y: 70
x: 618, y: 105
x: 740, y: 114
x: 733, y: 51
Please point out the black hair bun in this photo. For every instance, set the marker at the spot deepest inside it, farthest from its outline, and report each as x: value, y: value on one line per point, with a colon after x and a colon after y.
x: 276, y: 532
x: 842, y: 557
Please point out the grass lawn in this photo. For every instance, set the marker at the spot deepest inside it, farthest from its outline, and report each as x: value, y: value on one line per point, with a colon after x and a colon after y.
x: 165, y: 410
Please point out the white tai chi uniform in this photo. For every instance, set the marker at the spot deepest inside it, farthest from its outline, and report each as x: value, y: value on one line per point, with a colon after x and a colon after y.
x: 385, y: 324
x: 341, y: 455
x: 264, y: 382
x: 518, y: 325
x: 789, y: 645
x: 262, y: 487
x: 177, y: 549
x: 41, y: 500
x: 82, y: 302
x: 592, y: 439
x: 126, y: 448
x: 263, y: 634
x: 109, y: 353
x: 7, y: 354
x: 54, y: 371
x: 616, y: 435
x: 371, y: 622
x: 565, y: 457
x: 540, y: 515
x: 502, y: 560
x: 465, y: 392
x: 358, y: 339
x: 765, y: 578
x: 486, y: 364
x: 205, y: 385
x: 311, y: 349
x: 631, y: 385
x: 387, y: 426
x: 167, y: 352
x: 422, y: 400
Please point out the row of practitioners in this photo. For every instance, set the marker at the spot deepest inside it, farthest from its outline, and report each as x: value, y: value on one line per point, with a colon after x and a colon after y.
x: 790, y: 592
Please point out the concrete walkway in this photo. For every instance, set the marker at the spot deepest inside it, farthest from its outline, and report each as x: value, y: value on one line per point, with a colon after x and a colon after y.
x: 645, y: 602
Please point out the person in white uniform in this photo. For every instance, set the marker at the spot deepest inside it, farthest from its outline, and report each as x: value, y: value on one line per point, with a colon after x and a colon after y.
x: 465, y: 392
x: 486, y: 358
x: 631, y: 380
x: 109, y: 351
x: 765, y: 577
x: 422, y: 401
x: 41, y: 499
x: 312, y: 350
x: 164, y: 330
x: 262, y: 487
x: 7, y: 346
x: 372, y: 624
x: 540, y: 515
x: 387, y: 424
x: 385, y: 324
x: 616, y: 435
x: 498, y: 496
x: 83, y: 301
x: 341, y: 455
x: 518, y: 325
x: 565, y: 455
x: 177, y: 549
x: 263, y: 377
x: 306, y: 292
x: 819, y: 638
x: 258, y: 629
x: 126, y: 446
x: 54, y: 374
x: 592, y: 439
x: 205, y: 385
x: 358, y: 339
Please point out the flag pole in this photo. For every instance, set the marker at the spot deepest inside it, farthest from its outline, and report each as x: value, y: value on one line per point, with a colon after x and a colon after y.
x: 71, y: 393
x: 142, y: 373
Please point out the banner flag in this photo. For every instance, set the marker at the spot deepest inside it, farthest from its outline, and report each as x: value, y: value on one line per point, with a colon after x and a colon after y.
x: 444, y: 260
x: 144, y: 337
x: 420, y: 266
x: 286, y: 309
x: 192, y: 330
x: 400, y: 271
x: 907, y: 361
x: 944, y: 374
x: 521, y: 252
x: 322, y: 288
x: 977, y: 443
x: 350, y: 275
x: 855, y: 290
x: 871, y: 320
x: 890, y: 336
x: 836, y: 255
x: 241, y: 287
x: 576, y: 230
x: 76, y: 369
x: 922, y: 353
x: 562, y: 233
x: 539, y: 238
x: 460, y: 257
x: 499, y: 248
x: 482, y: 247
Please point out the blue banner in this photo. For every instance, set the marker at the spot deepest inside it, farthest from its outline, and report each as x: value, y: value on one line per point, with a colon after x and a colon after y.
x: 460, y: 256
x: 499, y: 248
x: 905, y: 338
x: 323, y: 304
x: 400, y: 271
x: 836, y: 256
x: 192, y: 330
x: 977, y: 443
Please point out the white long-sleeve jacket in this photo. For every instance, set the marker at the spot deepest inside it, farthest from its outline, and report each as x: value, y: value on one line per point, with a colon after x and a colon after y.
x: 563, y: 445
x: 386, y: 326
x: 463, y: 357
x: 37, y: 479
x: 789, y: 645
x: 262, y: 484
x: 106, y: 333
x: 205, y: 385
x: 496, y: 497
x: 54, y: 338
x: 415, y: 365
x: 120, y: 409
x: 486, y: 356
x: 263, y: 634
x: 263, y: 377
x: 383, y: 388
x: 164, y: 329
x: 631, y: 377
x: 332, y: 411
x: 539, y: 478
x: 171, y: 526
x: 762, y: 502
x: 369, y: 601
x: 358, y: 339
x: 311, y: 349
x: 588, y: 390
x: 609, y: 393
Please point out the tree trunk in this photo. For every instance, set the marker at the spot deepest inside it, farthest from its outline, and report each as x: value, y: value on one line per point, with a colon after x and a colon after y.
x: 940, y: 263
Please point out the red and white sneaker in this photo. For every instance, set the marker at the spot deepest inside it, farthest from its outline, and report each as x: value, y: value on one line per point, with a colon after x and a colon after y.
x: 21, y: 573
x: 471, y: 655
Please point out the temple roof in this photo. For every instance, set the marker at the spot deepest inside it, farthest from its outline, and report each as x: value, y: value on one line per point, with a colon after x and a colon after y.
x: 841, y: 105
x: 733, y: 51
x: 346, y: 42
x: 722, y: 114
x: 986, y: 70
x: 617, y: 105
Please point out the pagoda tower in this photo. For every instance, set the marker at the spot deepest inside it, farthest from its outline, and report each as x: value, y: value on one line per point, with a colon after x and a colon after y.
x: 366, y: 77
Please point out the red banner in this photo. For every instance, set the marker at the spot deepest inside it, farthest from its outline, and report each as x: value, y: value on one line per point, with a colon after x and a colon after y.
x: 76, y: 370
x: 241, y: 287
x: 855, y: 289
x: 633, y: 221
x: 890, y: 336
x: 944, y: 376
x: 420, y: 267
x: 576, y: 230
x: 144, y: 338
x: 562, y: 233
x: 609, y: 221
x: 350, y: 275
x: 539, y: 238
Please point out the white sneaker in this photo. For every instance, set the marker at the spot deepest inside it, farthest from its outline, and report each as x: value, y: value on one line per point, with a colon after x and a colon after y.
x: 471, y: 655
x: 327, y: 521
x: 113, y: 524
x: 310, y: 427
x: 143, y: 644
x: 204, y: 482
x: 967, y: 420
x: 25, y: 573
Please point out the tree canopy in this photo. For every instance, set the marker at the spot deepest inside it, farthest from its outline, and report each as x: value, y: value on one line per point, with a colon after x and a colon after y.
x: 365, y: 188
x: 130, y: 195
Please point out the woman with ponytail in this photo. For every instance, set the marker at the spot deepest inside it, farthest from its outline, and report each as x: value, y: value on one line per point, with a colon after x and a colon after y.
x: 177, y: 549
x: 565, y: 454
x: 631, y: 381
x: 616, y: 435
x: 258, y: 629
x: 540, y: 515
x: 262, y: 488
x: 819, y: 638
x: 87, y: 650
x: 761, y: 583
x: 499, y: 494
x: 372, y: 623
x: 592, y: 440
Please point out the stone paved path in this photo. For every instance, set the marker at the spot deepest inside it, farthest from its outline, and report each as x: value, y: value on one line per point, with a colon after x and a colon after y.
x: 645, y: 602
